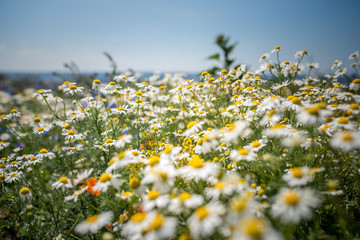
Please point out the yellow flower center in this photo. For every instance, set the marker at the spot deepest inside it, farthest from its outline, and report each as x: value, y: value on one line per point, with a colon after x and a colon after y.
x: 157, y: 223
x: 168, y: 149
x: 271, y: 113
x: 153, y: 194
x: 184, y: 196
x: 297, y: 172
x: 92, y: 219
x: 106, y: 177
x: 347, y: 136
x: 343, y: 120
x: 122, y: 155
x: 256, y: 144
x: 71, y: 133
x: 153, y: 160
x: 42, y: 151
x: 219, y: 185
x: 278, y: 126
x: 254, y: 227
x: 163, y: 176
x: 202, y: 212
x: 356, y: 80
x: 40, y: 129
x: 196, y: 162
x: 109, y: 140
x: 190, y: 124
x: 24, y: 191
x: 313, y: 110
x: 239, y: 204
x: 354, y: 106
x: 138, y: 217
x: 37, y: 119
x: 64, y: 180
x: 67, y: 126
x: 73, y: 87
x: 296, y: 100
x: 292, y: 198
x: 96, y: 81
x: 134, y: 183
x: 243, y: 152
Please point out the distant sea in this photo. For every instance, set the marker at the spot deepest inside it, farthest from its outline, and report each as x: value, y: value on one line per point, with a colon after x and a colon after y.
x: 56, y: 77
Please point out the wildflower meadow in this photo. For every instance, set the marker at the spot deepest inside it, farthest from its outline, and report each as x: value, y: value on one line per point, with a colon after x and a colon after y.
x: 264, y: 155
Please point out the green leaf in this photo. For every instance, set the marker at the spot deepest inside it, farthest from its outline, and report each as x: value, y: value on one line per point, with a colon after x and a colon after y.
x: 215, y: 56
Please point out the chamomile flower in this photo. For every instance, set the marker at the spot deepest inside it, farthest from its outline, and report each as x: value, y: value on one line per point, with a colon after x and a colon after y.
x: 206, y: 219
x: 3, y: 145
x: 94, y: 223
x: 355, y: 84
x: 44, y: 153
x: 106, y: 180
x: 13, y: 176
x: 252, y: 228
x: 72, y: 89
x: 62, y: 183
x: 313, y: 114
x: 192, y: 127
x: 123, y: 140
x: 160, y: 227
x: 346, y: 140
x: 96, y: 84
x: 75, y: 195
x: 25, y: 193
x: 184, y: 202
x: 236, y: 130
x: 198, y: 169
x: 121, y: 160
x: 135, y: 227
x: 298, y: 176
x: 206, y: 143
x: 82, y: 176
x: 154, y: 199
x: 243, y: 154
x: 294, y: 205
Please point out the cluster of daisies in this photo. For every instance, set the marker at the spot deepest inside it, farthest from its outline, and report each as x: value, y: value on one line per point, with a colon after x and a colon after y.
x: 239, y: 155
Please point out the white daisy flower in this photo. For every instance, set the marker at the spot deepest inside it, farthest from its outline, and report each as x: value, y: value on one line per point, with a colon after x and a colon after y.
x: 346, y: 140
x: 105, y: 180
x: 192, y: 127
x: 94, y: 223
x: 236, y: 130
x: 251, y: 228
x: 298, y: 176
x: 243, y: 154
x: 45, y: 153
x: 72, y: 89
x: 154, y: 199
x: 206, y: 219
x: 293, y: 205
x: 198, y: 169
x: 25, y: 193
x: 160, y: 227
x: 62, y: 183
x: 184, y: 202
x: 82, y: 176
x: 75, y: 195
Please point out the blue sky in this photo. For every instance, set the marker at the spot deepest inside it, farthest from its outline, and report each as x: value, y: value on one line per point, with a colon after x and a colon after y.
x: 42, y: 35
